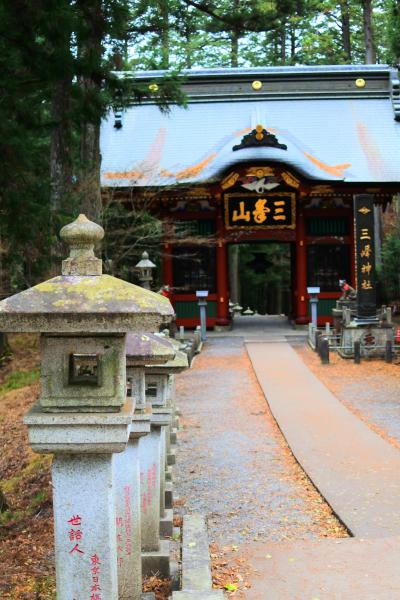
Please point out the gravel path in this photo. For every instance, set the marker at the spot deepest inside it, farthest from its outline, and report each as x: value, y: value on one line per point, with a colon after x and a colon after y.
x: 233, y: 464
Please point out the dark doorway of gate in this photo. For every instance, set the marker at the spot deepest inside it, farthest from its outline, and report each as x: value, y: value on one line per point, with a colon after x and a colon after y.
x: 260, y: 276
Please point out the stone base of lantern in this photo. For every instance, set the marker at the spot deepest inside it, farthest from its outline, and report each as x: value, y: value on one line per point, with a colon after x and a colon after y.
x: 174, y: 436
x: 171, y: 458
x: 169, y: 495
x: 157, y: 562
x: 167, y: 524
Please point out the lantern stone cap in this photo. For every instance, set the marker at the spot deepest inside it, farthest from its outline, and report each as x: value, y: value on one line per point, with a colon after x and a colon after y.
x: 161, y: 416
x: 140, y: 426
x: 176, y: 365
x: 147, y: 348
x: 179, y: 363
x: 82, y: 300
x: 145, y: 263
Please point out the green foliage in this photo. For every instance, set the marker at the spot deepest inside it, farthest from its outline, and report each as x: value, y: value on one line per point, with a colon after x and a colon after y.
x: 222, y: 33
x: 264, y: 274
x: 393, y: 28
x: 81, y: 50
x: 390, y: 271
x: 130, y: 229
x: 18, y: 379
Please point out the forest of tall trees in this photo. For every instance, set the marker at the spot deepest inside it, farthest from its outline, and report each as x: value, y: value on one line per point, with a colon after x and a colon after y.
x: 57, y: 65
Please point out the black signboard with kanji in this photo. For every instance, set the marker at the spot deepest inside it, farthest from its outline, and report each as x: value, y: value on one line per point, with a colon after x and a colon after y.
x: 365, y: 255
x: 268, y: 211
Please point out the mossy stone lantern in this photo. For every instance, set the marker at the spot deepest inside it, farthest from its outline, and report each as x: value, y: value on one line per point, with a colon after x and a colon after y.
x: 145, y: 270
x: 83, y: 317
x: 83, y: 415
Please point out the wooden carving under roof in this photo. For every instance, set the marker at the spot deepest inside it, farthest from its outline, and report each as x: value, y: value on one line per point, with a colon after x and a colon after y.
x: 259, y: 178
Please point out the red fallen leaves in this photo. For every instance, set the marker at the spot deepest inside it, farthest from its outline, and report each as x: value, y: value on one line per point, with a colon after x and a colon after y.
x: 160, y: 587
x: 229, y: 573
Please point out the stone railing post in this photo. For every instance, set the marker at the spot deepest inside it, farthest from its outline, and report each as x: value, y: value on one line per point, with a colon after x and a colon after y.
x: 160, y: 390
x: 127, y: 516
x: 83, y: 416
x: 139, y: 351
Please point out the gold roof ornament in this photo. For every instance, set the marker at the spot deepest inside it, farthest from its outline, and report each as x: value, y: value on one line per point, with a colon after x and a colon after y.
x: 257, y: 85
x: 259, y: 132
x: 360, y: 83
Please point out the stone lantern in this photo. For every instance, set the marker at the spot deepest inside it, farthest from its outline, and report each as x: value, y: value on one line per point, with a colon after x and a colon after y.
x: 144, y: 350
x: 160, y: 391
x: 131, y: 468
x: 145, y: 270
x: 83, y: 415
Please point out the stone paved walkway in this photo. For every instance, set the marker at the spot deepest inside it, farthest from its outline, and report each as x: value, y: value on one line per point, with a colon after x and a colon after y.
x: 232, y: 463
x: 356, y: 471
x: 231, y: 467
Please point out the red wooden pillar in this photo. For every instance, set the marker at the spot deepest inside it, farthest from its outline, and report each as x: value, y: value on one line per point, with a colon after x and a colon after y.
x: 353, y: 266
x: 222, y: 276
x: 301, y: 270
x: 167, y: 265
x: 168, y: 278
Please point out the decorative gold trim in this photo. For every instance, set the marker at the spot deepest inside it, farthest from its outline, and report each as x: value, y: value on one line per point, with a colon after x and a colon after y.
x: 270, y: 195
x: 290, y: 179
x: 229, y: 180
x: 260, y: 172
x: 321, y: 189
x: 257, y: 85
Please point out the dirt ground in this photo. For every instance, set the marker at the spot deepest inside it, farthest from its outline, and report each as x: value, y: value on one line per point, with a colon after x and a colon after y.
x: 233, y: 463
x: 26, y: 528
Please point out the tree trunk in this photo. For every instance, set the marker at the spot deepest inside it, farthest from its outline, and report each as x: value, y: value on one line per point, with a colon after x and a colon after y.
x: 91, y: 51
x: 89, y: 184
x: 235, y: 48
x: 60, y: 146
x: 164, y: 13
x: 293, y: 45
x: 3, y: 502
x: 282, y: 40
x: 60, y: 163
x: 188, y: 53
x: 345, y: 19
x: 370, y: 50
x: 4, y: 347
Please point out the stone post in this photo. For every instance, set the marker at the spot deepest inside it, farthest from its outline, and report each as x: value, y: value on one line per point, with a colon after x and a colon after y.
x: 313, y: 293
x: 83, y: 416
x: 127, y: 505
x: 202, y: 302
x: 160, y: 379
x: 140, y: 350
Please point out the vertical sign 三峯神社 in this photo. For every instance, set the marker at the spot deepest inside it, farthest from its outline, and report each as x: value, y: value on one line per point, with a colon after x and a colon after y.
x: 365, y: 256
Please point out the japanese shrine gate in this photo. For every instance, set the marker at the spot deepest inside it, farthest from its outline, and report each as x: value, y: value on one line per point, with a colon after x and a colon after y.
x: 266, y: 154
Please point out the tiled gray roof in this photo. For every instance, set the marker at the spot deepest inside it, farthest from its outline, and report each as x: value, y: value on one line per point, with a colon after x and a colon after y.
x: 344, y: 134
